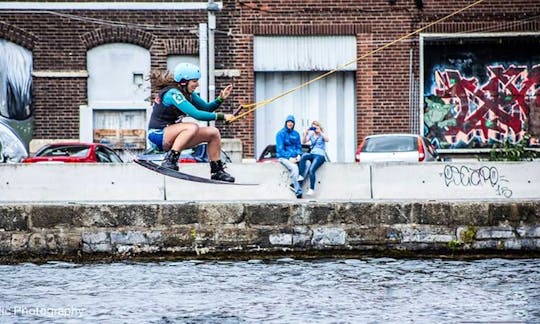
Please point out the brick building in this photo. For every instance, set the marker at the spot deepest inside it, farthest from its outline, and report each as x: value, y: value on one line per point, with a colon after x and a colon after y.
x: 467, y: 81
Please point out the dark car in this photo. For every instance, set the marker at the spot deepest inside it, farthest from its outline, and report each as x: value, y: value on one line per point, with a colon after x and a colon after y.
x: 269, y: 153
x: 74, y: 152
x: 196, y: 154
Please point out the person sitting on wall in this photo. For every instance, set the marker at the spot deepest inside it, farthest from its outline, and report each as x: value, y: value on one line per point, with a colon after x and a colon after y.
x: 316, y: 156
x: 289, y: 151
x: 178, y: 99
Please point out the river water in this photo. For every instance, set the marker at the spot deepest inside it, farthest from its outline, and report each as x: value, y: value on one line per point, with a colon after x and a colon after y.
x: 375, y: 290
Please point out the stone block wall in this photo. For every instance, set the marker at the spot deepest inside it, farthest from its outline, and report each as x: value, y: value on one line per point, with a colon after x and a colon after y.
x: 265, y: 230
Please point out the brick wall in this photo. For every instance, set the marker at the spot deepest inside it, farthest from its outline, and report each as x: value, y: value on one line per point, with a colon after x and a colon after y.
x: 60, y: 42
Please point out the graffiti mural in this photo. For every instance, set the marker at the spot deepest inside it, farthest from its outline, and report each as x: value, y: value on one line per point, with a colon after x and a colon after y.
x: 464, y: 113
x: 12, y: 148
x: 474, y: 98
x: 16, y: 109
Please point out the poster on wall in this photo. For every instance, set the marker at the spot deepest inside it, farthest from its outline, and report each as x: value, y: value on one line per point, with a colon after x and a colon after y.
x: 481, y: 91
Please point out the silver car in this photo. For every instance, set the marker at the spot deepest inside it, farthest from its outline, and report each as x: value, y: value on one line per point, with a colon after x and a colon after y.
x: 395, y: 148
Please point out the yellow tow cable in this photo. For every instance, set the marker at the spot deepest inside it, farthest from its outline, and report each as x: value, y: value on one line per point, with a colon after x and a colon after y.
x: 254, y: 106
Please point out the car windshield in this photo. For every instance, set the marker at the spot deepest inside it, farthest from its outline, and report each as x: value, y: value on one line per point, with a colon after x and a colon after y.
x: 76, y: 150
x: 390, y: 144
x: 269, y: 153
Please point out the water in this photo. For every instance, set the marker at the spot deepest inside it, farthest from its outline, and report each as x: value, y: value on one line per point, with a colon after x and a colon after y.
x: 282, y: 291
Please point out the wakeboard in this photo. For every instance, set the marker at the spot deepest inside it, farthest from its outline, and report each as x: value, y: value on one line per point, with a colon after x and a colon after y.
x: 184, y: 176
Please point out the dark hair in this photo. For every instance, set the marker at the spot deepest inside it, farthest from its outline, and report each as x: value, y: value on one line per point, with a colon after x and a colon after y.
x: 162, y: 79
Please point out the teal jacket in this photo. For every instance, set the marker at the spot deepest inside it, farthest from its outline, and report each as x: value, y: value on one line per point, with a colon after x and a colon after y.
x: 200, y: 109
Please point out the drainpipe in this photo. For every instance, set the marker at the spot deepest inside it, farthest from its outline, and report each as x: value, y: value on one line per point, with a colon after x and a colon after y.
x: 203, y: 60
x: 212, y: 8
x: 412, y: 114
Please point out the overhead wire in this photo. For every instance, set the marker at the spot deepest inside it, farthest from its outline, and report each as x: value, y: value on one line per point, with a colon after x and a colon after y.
x: 100, y: 21
x: 229, y: 32
x: 254, y: 106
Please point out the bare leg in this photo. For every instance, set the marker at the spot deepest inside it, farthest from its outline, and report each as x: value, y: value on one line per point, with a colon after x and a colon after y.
x: 213, y: 137
x: 178, y: 136
x: 210, y: 135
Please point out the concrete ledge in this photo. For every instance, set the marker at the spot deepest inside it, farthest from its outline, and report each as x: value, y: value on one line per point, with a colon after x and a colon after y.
x: 471, y: 180
x: 131, y: 182
x: 335, y: 182
x: 78, y: 182
x: 271, y: 180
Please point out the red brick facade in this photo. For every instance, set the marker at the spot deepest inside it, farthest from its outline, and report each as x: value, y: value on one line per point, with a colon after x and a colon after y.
x: 60, y: 42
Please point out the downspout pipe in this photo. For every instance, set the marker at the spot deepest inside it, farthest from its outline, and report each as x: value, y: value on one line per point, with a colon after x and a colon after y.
x: 203, y: 60
x: 212, y: 8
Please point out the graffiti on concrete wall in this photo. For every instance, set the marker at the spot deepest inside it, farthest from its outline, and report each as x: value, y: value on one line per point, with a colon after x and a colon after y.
x: 465, y: 113
x: 483, y: 176
x: 16, y: 109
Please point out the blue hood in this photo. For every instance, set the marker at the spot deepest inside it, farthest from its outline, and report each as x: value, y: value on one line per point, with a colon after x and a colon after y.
x: 290, y: 118
x: 288, y: 143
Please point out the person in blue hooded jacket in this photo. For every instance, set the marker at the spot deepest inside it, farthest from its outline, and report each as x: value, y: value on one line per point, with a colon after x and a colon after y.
x: 176, y: 100
x: 289, y: 151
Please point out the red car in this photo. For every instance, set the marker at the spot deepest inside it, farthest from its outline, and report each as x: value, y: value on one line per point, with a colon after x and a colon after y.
x: 74, y: 152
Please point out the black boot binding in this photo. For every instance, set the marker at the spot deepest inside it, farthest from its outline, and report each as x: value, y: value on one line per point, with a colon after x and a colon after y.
x: 218, y: 172
x: 171, y: 160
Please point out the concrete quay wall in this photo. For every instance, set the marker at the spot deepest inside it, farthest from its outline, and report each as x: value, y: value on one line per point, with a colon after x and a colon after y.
x: 92, y: 211
x: 335, y: 182
x: 105, y: 231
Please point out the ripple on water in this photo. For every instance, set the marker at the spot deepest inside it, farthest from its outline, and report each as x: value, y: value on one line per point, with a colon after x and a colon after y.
x: 285, y: 290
